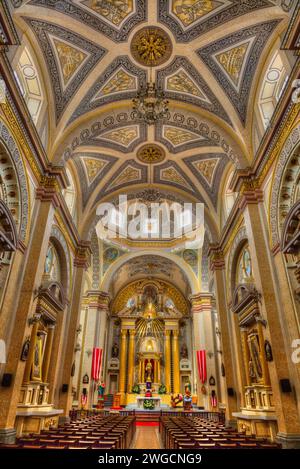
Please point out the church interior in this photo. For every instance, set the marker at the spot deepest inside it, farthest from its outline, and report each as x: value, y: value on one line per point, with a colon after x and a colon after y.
x: 149, y: 341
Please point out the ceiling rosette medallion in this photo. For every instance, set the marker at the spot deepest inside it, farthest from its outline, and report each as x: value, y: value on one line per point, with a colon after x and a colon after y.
x: 113, y: 18
x: 151, y: 154
x: 188, y: 19
x: 233, y: 61
x: 69, y: 57
x: 151, y: 46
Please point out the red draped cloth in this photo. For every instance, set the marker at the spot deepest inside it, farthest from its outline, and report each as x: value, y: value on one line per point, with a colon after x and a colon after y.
x: 96, y: 363
x: 201, y: 362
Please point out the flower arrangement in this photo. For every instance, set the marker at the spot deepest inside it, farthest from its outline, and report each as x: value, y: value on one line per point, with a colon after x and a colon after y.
x: 149, y: 404
x: 135, y: 389
x: 162, y: 389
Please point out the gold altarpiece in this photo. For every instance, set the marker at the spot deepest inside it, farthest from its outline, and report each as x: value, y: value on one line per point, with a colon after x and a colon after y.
x: 257, y: 417
x: 151, y: 345
x: 35, y: 411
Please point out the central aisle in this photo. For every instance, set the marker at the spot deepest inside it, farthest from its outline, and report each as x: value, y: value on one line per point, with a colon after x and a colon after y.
x: 147, y: 438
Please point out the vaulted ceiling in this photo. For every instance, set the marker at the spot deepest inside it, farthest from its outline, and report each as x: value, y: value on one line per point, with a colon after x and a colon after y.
x: 208, y: 57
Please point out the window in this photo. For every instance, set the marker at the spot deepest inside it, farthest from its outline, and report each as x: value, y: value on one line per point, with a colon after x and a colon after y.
x: 273, y: 85
x: 27, y: 78
x: 244, y: 267
x: 52, y: 265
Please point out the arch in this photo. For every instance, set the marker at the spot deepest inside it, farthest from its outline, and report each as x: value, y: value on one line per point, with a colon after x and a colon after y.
x: 60, y: 244
x: 8, y: 230
x: 21, y: 198
x: 237, y: 244
x: 286, y: 170
x: 193, y: 281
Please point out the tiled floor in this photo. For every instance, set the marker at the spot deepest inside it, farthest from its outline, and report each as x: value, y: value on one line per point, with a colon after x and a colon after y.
x: 147, y: 438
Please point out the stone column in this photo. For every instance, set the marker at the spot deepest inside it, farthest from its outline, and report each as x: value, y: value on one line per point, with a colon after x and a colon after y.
x: 123, y: 360
x: 263, y: 273
x: 94, y: 337
x: 176, y: 367
x: 168, y: 360
x: 48, y: 352
x: 217, y: 265
x: 131, y: 360
x: 81, y: 263
x: 33, y: 270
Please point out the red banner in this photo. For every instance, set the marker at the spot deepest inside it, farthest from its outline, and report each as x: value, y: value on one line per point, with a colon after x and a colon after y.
x: 96, y: 363
x: 201, y: 362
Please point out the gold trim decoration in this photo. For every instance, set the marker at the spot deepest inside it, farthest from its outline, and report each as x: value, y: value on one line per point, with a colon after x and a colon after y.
x: 151, y: 154
x: 137, y: 286
x: 15, y: 128
x: 151, y: 46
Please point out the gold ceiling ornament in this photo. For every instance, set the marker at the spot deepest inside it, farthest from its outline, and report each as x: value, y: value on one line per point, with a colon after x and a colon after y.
x: 151, y: 46
x: 207, y: 169
x: 70, y: 59
x: 189, y: 11
x: 114, y: 11
x: 151, y: 154
x: 233, y: 60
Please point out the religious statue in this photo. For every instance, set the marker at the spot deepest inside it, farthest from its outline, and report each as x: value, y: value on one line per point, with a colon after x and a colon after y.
x: 149, y: 372
x: 252, y: 373
x: 176, y: 400
x: 184, y: 351
x: 115, y: 350
x: 268, y: 351
x: 187, y: 399
x: 101, y: 389
x: 83, y: 398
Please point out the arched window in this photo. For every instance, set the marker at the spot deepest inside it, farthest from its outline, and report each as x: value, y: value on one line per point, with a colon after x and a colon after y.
x: 273, y: 84
x: 29, y: 84
x: 70, y: 195
x: 52, y: 267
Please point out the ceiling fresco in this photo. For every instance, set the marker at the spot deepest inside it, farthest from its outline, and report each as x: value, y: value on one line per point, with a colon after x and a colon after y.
x: 95, y: 55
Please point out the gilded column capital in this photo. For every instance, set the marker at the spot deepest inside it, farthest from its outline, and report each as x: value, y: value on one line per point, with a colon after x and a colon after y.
x: 124, y: 333
x: 175, y: 333
x: 131, y: 332
x: 216, y: 257
x: 83, y: 255
x: 98, y: 299
x: 201, y: 302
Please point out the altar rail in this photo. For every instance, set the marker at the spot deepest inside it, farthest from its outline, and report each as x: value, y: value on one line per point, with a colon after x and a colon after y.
x: 218, y: 417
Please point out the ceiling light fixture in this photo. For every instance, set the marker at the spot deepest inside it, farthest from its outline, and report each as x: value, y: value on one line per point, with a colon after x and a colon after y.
x: 150, y: 103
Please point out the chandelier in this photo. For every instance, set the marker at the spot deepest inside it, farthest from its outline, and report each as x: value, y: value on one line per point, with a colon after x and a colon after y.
x: 150, y: 103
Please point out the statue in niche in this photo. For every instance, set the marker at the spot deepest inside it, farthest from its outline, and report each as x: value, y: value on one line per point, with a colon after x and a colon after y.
x: 256, y: 357
x: 115, y: 350
x: 184, y: 353
x: 268, y: 351
x: 252, y: 373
